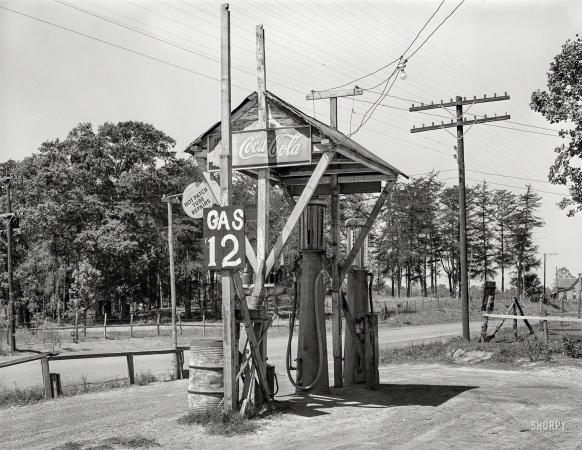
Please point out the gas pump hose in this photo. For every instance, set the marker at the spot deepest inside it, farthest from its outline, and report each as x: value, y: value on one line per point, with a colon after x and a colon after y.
x: 320, y: 337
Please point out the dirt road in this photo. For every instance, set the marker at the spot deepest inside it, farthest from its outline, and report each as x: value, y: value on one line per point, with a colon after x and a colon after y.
x: 418, y: 406
x: 104, y: 369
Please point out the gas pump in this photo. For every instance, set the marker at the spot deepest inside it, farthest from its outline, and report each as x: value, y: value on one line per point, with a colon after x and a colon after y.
x: 312, y: 371
x: 358, y: 302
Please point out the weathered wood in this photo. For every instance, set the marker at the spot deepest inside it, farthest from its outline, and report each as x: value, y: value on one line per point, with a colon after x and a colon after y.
x: 172, y: 292
x: 333, y: 94
x: 22, y: 360
x: 115, y: 353
x: 298, y: 210
x: 529, y: 327
x: 365, y: 229
x: 105, y: 326
x: 131, y: 326
x: 56, y: 388
x: 367, y: 162
x: 46, y: 377
x: 130, y: 370
x: 368, y: 187
x: 336, y: 309
x: 158, y: 323
x: 343, y: 179
x: 253, y: 343
x: 228, y: 309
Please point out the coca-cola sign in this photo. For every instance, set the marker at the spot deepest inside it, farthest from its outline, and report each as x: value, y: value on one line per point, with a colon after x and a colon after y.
x: 272, y: 147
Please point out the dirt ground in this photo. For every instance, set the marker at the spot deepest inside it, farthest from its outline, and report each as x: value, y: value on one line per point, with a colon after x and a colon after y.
x: 418, y: 406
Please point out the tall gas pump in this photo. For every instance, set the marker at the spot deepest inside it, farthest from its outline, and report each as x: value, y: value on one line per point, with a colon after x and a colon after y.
x: 312, y: 371
x: 358, y: 302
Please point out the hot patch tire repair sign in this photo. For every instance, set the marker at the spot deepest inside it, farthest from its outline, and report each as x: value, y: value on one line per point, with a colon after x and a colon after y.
x: 224, y: 237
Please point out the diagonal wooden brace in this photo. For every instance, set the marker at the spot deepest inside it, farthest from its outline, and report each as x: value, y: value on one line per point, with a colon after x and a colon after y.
x: 365, y: 230
x: 298, y: 209
x: 254, y: 344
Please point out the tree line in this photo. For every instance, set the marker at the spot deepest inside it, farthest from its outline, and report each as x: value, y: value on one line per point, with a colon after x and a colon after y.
x: 417, y: 237
x: 93, y: 231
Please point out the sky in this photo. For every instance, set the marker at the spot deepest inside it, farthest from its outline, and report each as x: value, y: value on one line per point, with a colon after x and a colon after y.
x: 65, y: 62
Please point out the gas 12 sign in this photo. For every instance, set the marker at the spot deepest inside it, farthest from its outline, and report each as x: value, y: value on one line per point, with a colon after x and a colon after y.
x: 271, y: 147
x: 224, y: 237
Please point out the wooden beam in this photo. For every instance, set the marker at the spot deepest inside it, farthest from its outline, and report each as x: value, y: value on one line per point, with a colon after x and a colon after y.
x: 291, y: 179
x: 365, y: 230
x: 369, y: 187
x: 540, y: 318
x: 318, y: 95
x: 336, y: 309
x: 298, y: 210
x: 367, y: 162
x: 341, y: 170
x: 228, y: 309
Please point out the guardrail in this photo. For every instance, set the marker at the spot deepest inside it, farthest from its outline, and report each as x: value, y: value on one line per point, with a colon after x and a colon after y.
x: 51, y: 382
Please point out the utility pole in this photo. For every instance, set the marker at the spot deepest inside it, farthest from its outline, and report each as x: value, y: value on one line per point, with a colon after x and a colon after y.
x: 173, y: 200
x: 336, y: 307
x: 460, y: 147
x: 8, y: 217
x: 230, y: 351
x: 544, y: 296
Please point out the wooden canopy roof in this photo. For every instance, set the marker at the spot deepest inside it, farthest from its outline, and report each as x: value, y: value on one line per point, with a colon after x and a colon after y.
x: 358, y: 170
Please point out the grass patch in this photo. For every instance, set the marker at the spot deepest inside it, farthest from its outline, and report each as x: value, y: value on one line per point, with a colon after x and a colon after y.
x: 221, y: 422
x: 145, y: 377
x: 505, y: 349
x: 131, y: 442
x: 20, y: 396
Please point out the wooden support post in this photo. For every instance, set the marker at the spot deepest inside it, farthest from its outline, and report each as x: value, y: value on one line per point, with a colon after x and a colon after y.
x: 527, y: 324
x: 131, y: 326
x: 372, y: 352
x: 228, y: 309
x: 56, y: 389
x: 158, y: 323
x: 172, y: 289
x: 105, y: 327
x: 46, y: 377
x: 579, y: 294
x: 336, y: 309
x: 130, y: 370
x: 180, y: 323
x: 514, y: 312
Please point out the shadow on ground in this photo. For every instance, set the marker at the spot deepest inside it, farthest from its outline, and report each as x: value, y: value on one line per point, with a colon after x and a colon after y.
x: 388, y: 396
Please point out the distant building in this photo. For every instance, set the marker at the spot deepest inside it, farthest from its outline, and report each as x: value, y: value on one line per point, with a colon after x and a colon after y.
x: 568, y: 289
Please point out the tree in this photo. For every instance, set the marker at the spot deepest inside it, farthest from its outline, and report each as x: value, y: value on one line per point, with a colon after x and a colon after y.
x: 563, y: 272
x: 481, y: 224
x: 83, y: 291
x: 503, y: 210
x: 522, y: 243
x: 563, y: 103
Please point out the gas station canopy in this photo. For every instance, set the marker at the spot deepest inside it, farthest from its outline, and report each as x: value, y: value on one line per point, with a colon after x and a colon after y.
x: 358, y: 170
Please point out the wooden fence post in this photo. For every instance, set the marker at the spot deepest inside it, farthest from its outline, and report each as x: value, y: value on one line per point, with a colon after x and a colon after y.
x: 46, y: 377
x: 546, y: 330
x: 105, y: 327
x: 130, y: 371
x: 131, y: 326
x: 203, y: 324
x: 180, y: 322
x: 158, y: 322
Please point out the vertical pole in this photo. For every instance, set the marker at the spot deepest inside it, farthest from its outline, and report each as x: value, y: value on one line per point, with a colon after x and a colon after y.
x: 46, y: 377
x: 131, y: 325
x: 173, y: 292
x: 544, y: 296
x: 228, y: 319
x: 579, y: 294
x: 336, y: 312
x: 333, y: 112
x: 105, y: 326
x: 462, y: 223
x: 263, y: 181
x: 12, y: 313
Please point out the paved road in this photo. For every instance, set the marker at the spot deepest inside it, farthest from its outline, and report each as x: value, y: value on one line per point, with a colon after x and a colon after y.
x: 105, y: 369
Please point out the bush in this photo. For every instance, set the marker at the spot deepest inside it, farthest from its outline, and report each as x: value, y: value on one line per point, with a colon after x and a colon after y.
x: 221, y: 422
